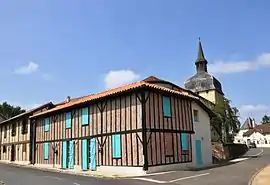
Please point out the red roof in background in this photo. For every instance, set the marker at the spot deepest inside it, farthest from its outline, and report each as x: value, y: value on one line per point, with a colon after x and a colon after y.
x: 262, y: 128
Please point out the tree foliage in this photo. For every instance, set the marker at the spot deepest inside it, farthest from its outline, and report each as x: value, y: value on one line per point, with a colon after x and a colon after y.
x: 7, y: 111
x: 265, y: 119
x: 226, y: 121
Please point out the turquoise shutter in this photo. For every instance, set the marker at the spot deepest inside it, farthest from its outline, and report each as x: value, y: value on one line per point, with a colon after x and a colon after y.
x: 46, y: 151
x: 47, y: 124
x: 116, y: 142
x: 84, y: 155
x: 184, y: 141
x: 64, y: 154
x: 85, y: 116
x: 68, y: 120
x: 166, y: 106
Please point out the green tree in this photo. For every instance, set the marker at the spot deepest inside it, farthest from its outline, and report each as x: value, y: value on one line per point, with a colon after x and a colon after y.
x: 7, y: 111
x: 265, y: 119
x: 226, y: 121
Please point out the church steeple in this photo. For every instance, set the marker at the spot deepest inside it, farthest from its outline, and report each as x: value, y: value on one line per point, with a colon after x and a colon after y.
x: 201, y: 62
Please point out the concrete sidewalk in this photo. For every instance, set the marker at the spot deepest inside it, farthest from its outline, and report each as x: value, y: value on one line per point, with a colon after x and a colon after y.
x: 262, y: 177
x: 67, y: 171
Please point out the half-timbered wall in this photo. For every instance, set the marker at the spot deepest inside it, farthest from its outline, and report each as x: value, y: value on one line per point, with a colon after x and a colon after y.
x: 20, y: 140
x: 164, y: 132
x: 18, y: 137
x: 121, y: 115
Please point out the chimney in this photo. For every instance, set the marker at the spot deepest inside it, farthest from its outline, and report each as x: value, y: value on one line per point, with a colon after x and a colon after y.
x: 68, y: 99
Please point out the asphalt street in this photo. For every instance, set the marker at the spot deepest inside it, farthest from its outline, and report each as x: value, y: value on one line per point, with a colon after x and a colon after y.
x: 234, y: 174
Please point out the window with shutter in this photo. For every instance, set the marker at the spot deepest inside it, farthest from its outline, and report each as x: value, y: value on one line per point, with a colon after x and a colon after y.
x: 195, y: 115
x: 46, y: 151
x: 85, y: 116
x: 184, y: 142
x: 13, y: 129
x: 166, y: 102
x: 47, y: 125
x: 116, y: 146
x: 68, y: 120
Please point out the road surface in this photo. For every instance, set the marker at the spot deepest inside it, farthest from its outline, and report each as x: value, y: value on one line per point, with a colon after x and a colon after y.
x: 233, y: 174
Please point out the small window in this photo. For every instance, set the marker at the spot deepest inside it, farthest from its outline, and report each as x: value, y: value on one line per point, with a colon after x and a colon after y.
x: 24, y: 127
x: 85, y: 116
x: 5, y: 131
x: 168, y: 144
x: 68, y: 120
x: 24, y: 147
x: 166, y: 106
x: 116, y: 146
x: 4, y: 149
x: 13, y: 129
x: 184, y: 141
x: 46, y: 151
x: 47, y: 125
x: 196, y: 115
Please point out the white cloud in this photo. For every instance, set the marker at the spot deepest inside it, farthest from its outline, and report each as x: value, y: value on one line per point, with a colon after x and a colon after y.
x: 120, y: 77
x: 256, y: 111
x: 27, y: 69
x: 262, y: 60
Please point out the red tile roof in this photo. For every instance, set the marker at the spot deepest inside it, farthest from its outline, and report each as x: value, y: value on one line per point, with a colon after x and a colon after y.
x: 263, y: 129
x: 114, y: 91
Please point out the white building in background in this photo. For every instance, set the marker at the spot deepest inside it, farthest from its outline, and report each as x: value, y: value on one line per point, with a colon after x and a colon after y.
x: 251, y: 132
x: 260, y: 135
x: 248, y: 124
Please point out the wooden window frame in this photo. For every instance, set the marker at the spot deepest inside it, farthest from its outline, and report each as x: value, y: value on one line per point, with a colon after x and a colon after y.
x: 5, y: 131
x: 13, y: 129
x: 185, y: 151
x: 47, y: 128
x: 196, y: 118
x: 47, y: 144
x: 68, y: 127
x: 88, y: 111
x: 24, y: 126
x: 24, y: 147
x: 119, y: 156
x: 164, y: 97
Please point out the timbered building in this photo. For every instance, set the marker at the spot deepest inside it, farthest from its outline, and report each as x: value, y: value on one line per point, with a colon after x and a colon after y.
x: 15, y: 136
x: 141, y: 126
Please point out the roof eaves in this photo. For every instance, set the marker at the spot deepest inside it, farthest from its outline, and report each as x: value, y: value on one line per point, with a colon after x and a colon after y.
x: 26, y: 113
x: 119, y: 90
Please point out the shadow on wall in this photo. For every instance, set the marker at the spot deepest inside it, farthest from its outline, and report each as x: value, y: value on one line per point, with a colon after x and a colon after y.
x: 227, y: 151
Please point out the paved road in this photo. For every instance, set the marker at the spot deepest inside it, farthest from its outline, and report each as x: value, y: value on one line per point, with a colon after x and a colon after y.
x: 235, y: 174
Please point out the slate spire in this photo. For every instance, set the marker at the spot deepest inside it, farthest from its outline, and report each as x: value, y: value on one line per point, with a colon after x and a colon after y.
x: 201, y: 62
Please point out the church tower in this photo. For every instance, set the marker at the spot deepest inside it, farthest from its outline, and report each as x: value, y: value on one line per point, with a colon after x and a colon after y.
x: 202, y: 83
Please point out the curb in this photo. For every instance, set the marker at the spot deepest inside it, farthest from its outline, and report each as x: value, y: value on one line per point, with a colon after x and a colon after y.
x: 62, y: 171
x: 250, y: 182
x: 256, y: 155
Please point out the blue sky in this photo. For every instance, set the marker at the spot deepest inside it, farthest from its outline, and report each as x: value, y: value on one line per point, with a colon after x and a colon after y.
x: 55, y: 48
